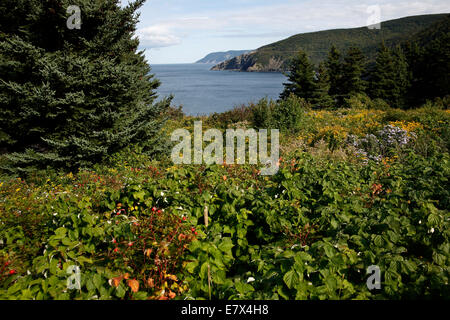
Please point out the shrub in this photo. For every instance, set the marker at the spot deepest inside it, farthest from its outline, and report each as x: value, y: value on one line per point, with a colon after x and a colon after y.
x: 288, y: 114
x: 236, y: 115
x: 262, y: 113
x: 285, y: 115
x: 358, y: 101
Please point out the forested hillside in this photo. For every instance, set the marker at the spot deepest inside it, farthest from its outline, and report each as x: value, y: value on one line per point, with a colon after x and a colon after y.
x: 276, y: 56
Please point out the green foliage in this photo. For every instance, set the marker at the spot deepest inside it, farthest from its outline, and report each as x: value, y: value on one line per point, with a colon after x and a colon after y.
x: 136, y: 228
x: 334, y: 69
x: 262, y: 113
x: 352, y: 72
x: 301, y: 78
x: 428, y: 56
x: 69, y: 98
x: 285, y: 115
x: 390, y: 77
x: 321, y: 97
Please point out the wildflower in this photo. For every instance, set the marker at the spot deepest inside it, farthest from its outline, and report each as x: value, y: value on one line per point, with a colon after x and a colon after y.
x: 154, y: 209
x: 251, y: 279
x: 116, y: 250
x: 11, y: 272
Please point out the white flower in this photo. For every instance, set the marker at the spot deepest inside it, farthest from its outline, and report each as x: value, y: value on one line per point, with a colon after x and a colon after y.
x: 251, y: 279
x: 432, y: 230
x: 420, y: 221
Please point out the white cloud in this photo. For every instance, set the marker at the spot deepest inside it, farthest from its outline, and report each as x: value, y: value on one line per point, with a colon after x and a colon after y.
x: 157, y: 37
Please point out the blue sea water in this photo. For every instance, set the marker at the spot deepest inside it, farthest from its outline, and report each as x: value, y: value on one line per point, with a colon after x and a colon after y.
x: 201, y: 91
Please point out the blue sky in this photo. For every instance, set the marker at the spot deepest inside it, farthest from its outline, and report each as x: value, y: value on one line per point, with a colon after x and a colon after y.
x: 183, y: 31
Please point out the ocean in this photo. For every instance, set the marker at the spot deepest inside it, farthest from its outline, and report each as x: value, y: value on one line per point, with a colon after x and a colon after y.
x: 202, y: 92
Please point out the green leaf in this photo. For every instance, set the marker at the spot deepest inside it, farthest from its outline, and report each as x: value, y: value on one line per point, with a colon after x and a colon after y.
x: 291, y: 278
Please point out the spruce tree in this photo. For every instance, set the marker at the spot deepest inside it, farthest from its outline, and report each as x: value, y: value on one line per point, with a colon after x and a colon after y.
x: 301, y: 78
x: 321, y: 97
x: 70, y: 97
x: 352, y: 72
x: 334, y: 70
x: 390, y: 77
x: 431, y: 70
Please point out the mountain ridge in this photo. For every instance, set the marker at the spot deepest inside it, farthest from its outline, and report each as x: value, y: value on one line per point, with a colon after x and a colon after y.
x: 275, y: 57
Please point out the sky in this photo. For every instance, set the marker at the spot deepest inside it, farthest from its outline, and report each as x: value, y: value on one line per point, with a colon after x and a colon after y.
x: 184, y: 31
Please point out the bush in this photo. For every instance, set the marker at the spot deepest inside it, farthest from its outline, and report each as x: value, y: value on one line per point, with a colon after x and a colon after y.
x: 358, y: 101
x: 288, y: 114
x: 236, y: 115
x: 285, y: 115
x: 262, y: 113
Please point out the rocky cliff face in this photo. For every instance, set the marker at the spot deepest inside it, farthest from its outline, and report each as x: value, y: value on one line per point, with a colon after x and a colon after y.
x: 239, y: 63
x: 249, y: 63
x: 219, y: 57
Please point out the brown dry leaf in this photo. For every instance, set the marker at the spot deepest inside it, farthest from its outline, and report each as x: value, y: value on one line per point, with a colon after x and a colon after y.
x: 172, y: 277
x: 134, y: 285
x: 163, y: 298
x: 151, y: 283
x: 172, y: 294
x: 126, y: 276
x: 148, y: 252
x: 116, y: 281
x: 181, y: 237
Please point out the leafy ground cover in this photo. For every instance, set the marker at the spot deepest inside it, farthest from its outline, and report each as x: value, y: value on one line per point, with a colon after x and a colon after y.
x: 356, y: 187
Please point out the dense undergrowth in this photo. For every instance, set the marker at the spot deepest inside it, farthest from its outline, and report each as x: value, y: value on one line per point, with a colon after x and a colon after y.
x: 356, y: 187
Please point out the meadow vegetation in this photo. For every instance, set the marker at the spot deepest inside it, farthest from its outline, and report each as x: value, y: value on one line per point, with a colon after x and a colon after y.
x: 357, y: 186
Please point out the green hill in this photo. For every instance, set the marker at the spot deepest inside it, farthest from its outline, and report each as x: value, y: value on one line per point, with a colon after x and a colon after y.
x: 276, y: 56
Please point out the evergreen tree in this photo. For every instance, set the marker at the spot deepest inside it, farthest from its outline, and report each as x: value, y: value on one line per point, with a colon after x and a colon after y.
x: 301, y: 78
x: 428, y: 57
x: 432, y: 72
x: 321, y: 97
x: 390, y: 77
x: 352, y: 72
x: 70, y: 97
x: 334, y: 70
